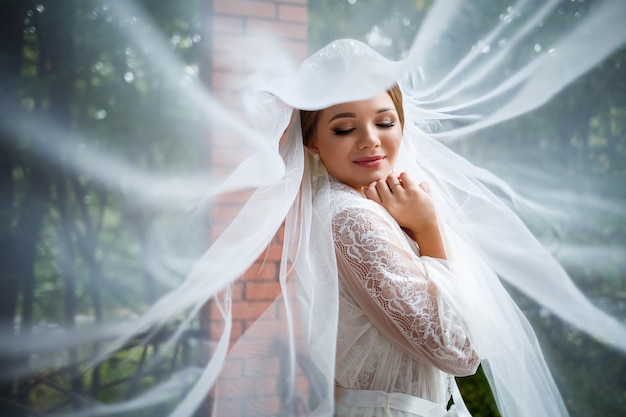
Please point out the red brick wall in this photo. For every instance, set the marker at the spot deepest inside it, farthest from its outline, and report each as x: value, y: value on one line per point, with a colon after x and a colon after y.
x: 244, y: 23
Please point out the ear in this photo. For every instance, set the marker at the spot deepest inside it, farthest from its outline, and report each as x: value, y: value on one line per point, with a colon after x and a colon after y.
x: 312, y: 147
x: 312, y: 150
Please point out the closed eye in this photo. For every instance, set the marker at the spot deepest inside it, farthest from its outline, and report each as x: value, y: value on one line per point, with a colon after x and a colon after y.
x: 386, y: 125
x: 343, y: 132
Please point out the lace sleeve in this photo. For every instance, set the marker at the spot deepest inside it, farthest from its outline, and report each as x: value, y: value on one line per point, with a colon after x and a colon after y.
x: 395, y: 278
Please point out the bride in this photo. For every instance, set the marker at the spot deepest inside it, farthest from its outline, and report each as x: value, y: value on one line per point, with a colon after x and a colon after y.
x: 396, y: 337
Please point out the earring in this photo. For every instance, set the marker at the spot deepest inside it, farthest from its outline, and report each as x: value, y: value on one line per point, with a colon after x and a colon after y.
x: 317, y: 163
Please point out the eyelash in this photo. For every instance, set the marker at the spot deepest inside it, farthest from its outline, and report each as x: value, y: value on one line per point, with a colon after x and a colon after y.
x: 346, y: 132
x: 340, y: 132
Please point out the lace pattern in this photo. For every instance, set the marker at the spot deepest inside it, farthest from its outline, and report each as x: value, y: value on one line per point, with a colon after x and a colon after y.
x: 393, y: 274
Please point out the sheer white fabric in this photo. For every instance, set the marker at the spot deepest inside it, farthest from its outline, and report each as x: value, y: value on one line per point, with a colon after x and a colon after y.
x: 315, y: 344
x: 397, y: 333
x: 372, y: 314
x: 457, y: 92
x: 374, y: 403
x: 329, y: 333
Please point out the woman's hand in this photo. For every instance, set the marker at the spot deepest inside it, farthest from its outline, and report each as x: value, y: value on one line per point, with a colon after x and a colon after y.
x: 407, y: 202
x: 411, y: 206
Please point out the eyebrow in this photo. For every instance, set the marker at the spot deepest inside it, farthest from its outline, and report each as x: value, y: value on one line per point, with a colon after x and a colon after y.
x: 340, y: 115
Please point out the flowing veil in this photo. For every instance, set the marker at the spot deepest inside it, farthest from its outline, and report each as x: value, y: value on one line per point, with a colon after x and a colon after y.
x: 171, y: 317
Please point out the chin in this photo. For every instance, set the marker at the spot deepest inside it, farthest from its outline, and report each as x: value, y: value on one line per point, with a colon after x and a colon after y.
x: 364, y: 182
x: 379, y: 175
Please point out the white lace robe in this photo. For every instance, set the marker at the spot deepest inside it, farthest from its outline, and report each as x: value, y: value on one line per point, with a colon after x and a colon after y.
x: 396, y: 333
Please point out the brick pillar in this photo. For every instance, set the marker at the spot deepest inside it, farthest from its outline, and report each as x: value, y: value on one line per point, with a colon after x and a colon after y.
x: 245, y: 23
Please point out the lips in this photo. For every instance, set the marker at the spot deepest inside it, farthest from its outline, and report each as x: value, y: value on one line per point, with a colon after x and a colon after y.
x: 369, y: 161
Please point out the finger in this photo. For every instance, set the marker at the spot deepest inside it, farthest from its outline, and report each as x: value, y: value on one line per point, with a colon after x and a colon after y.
x: 424, y: 185
x: 406, y: 180
x: 393, y: 181
x: 383, y: 190
x: 371, y: 192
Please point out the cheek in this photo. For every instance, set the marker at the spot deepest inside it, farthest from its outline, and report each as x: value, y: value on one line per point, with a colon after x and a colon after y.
x: 393, y: 141
x: 327, y: 151
x: 333, y: 147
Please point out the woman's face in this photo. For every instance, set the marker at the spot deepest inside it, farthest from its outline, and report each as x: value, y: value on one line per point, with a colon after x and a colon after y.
x: 358, y: 142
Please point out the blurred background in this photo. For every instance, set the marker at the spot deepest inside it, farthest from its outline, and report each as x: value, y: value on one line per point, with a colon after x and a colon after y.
x: 97, y: 102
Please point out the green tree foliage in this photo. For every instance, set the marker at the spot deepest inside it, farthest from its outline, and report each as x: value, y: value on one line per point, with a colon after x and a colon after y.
x: 73, y: 252
x: 75, y: 84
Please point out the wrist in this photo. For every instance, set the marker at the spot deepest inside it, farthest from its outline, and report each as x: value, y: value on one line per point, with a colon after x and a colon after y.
x: 426, y: 229
x: 429, y: 241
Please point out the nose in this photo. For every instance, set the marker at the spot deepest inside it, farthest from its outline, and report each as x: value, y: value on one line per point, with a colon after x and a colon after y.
x: 369, y: 139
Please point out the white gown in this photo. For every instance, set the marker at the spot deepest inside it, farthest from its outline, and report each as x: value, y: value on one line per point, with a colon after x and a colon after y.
x: 396, y: 334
